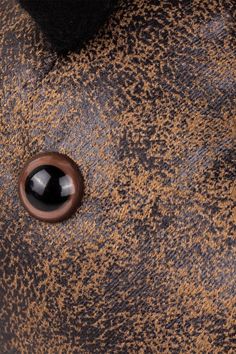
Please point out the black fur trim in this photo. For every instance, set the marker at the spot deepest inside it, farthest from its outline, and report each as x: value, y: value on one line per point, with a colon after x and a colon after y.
x: 69, y: 23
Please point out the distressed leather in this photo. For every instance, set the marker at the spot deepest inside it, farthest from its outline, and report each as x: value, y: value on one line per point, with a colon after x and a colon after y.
x: 147, y: 110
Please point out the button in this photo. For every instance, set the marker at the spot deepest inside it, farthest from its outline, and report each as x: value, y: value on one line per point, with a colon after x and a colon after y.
x: 51, y: 187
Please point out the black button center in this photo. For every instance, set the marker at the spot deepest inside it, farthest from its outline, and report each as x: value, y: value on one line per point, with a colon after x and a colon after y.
x: 48, y: 188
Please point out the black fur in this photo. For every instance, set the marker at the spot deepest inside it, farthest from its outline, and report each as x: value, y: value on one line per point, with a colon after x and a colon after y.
x: 69, y: 23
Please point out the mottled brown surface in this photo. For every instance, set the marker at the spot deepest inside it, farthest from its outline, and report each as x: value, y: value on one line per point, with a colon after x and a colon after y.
x: 147, y: 265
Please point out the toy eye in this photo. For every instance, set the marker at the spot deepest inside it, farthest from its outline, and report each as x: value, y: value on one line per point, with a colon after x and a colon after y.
x: 51, y: 187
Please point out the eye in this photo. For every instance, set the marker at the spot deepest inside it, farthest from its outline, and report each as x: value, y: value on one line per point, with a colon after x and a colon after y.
x: 51, y: 187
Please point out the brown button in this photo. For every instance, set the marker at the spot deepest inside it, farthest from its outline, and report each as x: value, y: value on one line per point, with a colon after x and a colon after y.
x: 51, y: 187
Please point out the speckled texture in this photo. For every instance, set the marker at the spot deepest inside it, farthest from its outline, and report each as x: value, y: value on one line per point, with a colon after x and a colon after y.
x: 147, y: 110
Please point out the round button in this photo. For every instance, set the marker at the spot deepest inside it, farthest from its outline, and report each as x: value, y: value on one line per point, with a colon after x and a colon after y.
x: 51, y: 187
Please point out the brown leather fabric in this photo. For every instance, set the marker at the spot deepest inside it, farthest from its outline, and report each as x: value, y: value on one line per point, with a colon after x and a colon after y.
x: 147, y: 265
